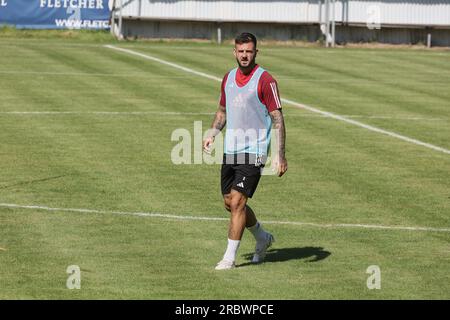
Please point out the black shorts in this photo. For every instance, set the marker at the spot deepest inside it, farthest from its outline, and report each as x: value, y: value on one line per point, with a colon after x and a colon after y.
x: 241, y: 174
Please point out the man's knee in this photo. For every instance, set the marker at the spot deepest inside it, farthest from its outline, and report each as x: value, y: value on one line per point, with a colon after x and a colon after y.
x: 227, y: 201
x: 237, y: 202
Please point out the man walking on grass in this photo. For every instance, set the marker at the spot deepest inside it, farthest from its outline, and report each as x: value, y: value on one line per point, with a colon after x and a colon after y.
x: 249, y: 105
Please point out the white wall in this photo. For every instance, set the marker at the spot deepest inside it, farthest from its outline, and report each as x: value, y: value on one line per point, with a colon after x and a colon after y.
x: 391, y: 12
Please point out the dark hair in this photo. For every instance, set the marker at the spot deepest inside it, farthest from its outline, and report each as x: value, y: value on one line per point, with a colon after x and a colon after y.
x: 245, y: 37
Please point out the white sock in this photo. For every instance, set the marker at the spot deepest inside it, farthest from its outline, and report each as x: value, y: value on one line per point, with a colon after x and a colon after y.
x: 257, y: 231
x: 232, y: 248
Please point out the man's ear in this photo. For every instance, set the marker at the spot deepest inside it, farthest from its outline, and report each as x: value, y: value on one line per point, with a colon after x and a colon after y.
x: 234, y: 51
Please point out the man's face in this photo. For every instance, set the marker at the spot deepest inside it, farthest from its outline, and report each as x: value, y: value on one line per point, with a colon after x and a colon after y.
x: 245, y: 54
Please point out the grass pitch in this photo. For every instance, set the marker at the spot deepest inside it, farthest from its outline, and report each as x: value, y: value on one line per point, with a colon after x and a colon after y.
x: 83, y: 126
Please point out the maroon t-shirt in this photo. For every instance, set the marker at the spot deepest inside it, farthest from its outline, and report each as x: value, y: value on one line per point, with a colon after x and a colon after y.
x: 267, y: 88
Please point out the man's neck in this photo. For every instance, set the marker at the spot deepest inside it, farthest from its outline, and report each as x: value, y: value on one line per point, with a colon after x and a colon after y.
x: 247, y: 70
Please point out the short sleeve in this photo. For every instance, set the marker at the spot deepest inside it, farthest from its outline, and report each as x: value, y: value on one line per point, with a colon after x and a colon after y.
x: 270, y: 95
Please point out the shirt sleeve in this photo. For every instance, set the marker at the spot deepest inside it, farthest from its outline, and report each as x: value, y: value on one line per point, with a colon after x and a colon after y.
x: 268, y: 92
x: 222, y: 98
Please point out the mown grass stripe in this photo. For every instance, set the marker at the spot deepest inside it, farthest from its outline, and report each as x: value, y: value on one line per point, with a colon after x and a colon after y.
x: 189, y: 217
x: 293, y: 103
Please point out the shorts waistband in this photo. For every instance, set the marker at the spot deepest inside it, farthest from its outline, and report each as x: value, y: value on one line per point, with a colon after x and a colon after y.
x: 245, y: 158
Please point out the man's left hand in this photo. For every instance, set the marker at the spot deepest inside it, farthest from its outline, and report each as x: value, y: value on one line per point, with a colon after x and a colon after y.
x: 280, y: 165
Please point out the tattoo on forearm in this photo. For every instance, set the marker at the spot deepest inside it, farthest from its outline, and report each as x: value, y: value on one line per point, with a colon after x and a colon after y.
x: 219, y: 121
x: 280, y: 131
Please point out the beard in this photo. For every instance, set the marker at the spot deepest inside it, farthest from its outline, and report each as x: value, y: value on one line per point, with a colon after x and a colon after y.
x: 251, y: 63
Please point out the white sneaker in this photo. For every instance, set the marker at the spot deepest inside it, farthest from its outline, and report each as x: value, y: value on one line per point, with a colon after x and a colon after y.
x: 261, y: 248
x: 225, y: 265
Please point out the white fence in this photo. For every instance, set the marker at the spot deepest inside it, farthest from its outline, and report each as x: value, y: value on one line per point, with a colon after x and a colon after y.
x: 431, y: 13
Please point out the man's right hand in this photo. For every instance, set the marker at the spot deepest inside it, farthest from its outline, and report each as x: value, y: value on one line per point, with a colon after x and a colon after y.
x: 207, y: 144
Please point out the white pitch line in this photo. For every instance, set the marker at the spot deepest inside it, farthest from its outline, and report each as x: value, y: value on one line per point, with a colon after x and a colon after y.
x: 164, y: 62
x: 104, y: 113
x: 89, y: 74
x: 139, y: 214
x: 183, y: 217
x: 293, y: 103
x: 146, y: 75
x: 370, y: 117
x: 369, y: 127
x: 394, y: 118
x: 306, y: 115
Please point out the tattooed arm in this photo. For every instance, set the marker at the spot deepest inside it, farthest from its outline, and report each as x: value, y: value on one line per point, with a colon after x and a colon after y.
x: 280, y: 136
x: 217, y: 125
